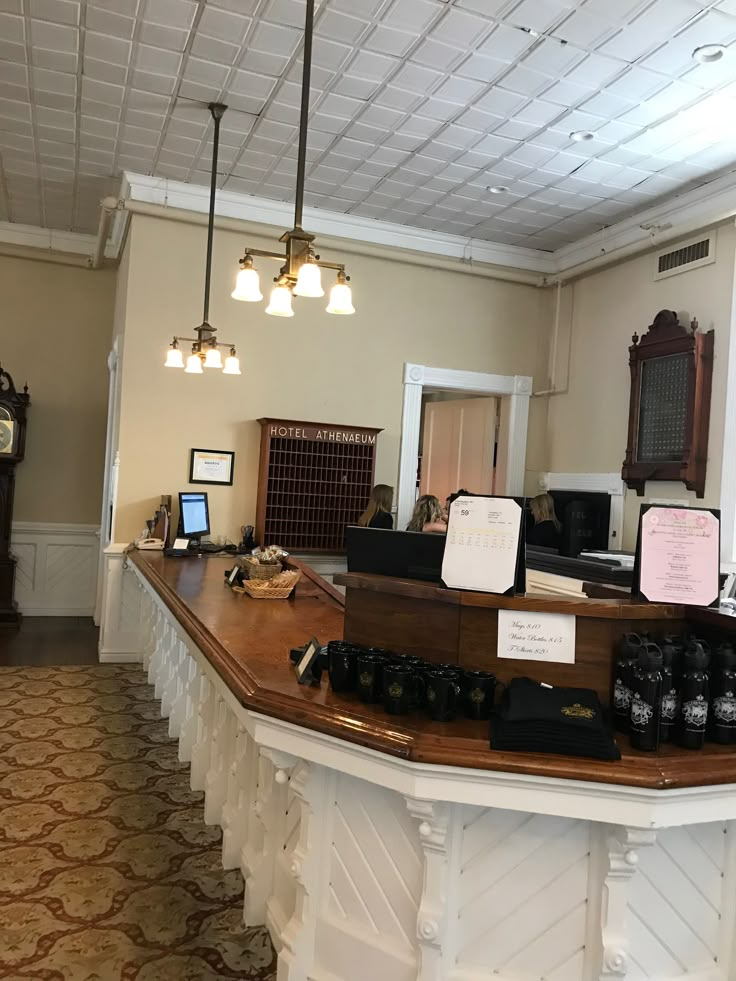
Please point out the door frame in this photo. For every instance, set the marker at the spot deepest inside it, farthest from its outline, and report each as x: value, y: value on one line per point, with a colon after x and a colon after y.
x: 514, y: 391
x: 109, y: 482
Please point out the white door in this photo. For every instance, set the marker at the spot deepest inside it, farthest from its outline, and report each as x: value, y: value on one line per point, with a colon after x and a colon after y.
x: 458, y: 446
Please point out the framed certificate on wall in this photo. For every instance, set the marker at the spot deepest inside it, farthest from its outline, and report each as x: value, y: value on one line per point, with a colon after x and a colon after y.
x: 211, y: 466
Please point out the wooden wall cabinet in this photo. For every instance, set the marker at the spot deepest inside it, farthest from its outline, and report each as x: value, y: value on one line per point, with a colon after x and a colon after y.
x: 313, y: 480
x: 669, y: 406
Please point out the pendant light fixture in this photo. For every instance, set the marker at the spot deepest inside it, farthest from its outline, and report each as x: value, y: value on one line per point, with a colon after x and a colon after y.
x: 300, y: 273
x: 205, y: 348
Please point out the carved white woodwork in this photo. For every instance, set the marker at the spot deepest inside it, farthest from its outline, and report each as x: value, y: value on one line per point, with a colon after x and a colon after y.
x: 367, y: 867
x: 623, y: 861
x: 298, y: 936
x: 432, y: 919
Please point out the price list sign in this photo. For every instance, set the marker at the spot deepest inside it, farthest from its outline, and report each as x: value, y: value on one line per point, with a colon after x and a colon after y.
x: 678, y: 560
x: 482, y: 551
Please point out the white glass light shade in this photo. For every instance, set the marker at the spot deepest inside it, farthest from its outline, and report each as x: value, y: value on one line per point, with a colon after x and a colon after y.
x: 247, y: 286
x: 174, y: 359
x: 213, y: 359
x: 194, y: 365
x: 280, y: 303
x: 309, y: 280
x: 341, y: 299
x: 232, y: 366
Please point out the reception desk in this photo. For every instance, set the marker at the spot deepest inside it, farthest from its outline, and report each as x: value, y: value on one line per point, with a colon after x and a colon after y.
x: 397, y: 848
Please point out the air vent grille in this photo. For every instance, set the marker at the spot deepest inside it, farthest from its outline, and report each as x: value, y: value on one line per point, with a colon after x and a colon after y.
x: 681, y: 257
x: 687, y: 256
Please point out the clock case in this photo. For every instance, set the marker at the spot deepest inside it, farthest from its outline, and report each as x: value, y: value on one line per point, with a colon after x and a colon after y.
x: 664, y: 338
x: 17, y: 404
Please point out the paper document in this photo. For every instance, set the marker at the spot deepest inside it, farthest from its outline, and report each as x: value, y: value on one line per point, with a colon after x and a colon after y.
x: 482, y: 547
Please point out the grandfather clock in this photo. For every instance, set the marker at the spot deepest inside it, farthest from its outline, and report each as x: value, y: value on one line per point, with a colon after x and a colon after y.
x: 13, y: 407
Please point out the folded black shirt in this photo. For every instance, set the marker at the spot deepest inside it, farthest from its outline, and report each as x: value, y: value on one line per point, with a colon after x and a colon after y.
x: 534, y: 718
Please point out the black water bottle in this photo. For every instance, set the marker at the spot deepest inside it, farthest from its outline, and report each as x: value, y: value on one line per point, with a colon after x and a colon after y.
x: 670, y: 703
x: 694, y: 691
x: 628, y: 654
x: 723, y: 695
x: 646, y: 699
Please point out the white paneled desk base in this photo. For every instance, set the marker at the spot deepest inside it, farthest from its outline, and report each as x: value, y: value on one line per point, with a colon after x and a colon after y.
x: 366, y: 867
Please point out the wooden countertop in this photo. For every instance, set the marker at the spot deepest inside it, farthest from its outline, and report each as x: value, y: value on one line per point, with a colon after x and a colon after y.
x: 622, y: 608
x: 248, y: 641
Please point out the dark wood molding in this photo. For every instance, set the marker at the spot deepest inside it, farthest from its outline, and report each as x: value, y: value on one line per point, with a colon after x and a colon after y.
x: 665, y: 338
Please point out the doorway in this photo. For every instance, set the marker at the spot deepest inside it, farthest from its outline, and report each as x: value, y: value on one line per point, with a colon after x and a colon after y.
x: 459, y: 435
x: 513, y: 393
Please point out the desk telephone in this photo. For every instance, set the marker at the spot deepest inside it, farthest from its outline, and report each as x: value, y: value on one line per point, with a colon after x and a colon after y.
x: 150, y: 543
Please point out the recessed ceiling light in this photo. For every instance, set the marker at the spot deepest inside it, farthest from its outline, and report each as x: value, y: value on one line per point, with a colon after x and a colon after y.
x: 582, y: 136
x: 498, y: 189
x: 707, y: 53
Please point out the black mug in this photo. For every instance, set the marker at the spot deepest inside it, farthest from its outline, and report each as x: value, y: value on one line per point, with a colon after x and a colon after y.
x: 479, y: 691
x: 442, y: 695
x: 370, y: 677
x: 401, y: 688
x: 342, y: 667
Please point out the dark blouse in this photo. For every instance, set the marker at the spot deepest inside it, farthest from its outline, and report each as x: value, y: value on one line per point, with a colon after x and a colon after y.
x: 381, y: 519
x: 544, y: 534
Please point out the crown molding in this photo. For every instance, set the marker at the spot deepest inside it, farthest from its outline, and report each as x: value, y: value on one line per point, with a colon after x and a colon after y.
x: 280, y: 214
x: 674, y: 218
x: 678, y: 216
x: 46, y: 239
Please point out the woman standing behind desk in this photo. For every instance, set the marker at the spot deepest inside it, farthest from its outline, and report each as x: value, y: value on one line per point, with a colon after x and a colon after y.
x: 378, y: 512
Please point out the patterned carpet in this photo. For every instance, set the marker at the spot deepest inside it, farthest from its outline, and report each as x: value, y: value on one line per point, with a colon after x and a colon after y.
x: 107, y: 870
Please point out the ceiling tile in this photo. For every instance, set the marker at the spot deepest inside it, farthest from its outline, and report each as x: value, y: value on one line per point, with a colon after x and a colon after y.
x: 461, y: 28
x: 170, y: 13
x: 387, y: 40
x: 413, y: 15
x: 223, y: 25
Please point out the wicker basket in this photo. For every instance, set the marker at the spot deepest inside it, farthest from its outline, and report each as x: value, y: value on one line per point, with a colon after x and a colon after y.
x: 264, y: 590
x: 254, y: 570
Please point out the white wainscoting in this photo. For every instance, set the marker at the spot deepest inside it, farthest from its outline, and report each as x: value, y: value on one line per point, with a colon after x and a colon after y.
x: 56, y: 571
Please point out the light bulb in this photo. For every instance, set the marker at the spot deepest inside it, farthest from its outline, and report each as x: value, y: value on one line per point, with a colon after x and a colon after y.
x: 280, y: 303
x: 213, y: 358
x: 194, y: 365
x: 341, y: 299
x: 232, y: 365
x: 309, y: 280
x: 247, y: 286
x: 174, y: 359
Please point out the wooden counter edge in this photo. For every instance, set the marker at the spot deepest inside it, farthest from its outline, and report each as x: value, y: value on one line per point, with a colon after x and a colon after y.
x: 651, y: 772
x: 309, y: 573
x: 245, y: 688
x: 609, y: 608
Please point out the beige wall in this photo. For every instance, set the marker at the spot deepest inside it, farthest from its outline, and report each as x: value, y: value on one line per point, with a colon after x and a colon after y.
x: 312, y: 367
x: 588, y: 426
x: 57, y: 322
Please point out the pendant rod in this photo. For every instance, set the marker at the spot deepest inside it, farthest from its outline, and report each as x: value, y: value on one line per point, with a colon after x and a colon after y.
x: 304, y: 115
x: 217, y: 110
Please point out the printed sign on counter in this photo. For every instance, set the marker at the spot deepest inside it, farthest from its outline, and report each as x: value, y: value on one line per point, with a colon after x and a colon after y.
x: 483, y: 544
x: 678, y: 553
x: 536, y: 636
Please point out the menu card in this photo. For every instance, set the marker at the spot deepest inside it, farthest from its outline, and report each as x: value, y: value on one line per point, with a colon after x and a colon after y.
x: 483, y: 548
x: 678, y: 555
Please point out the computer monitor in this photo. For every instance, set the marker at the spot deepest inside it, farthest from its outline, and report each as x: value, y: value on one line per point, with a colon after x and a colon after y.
x: 194, y: 514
